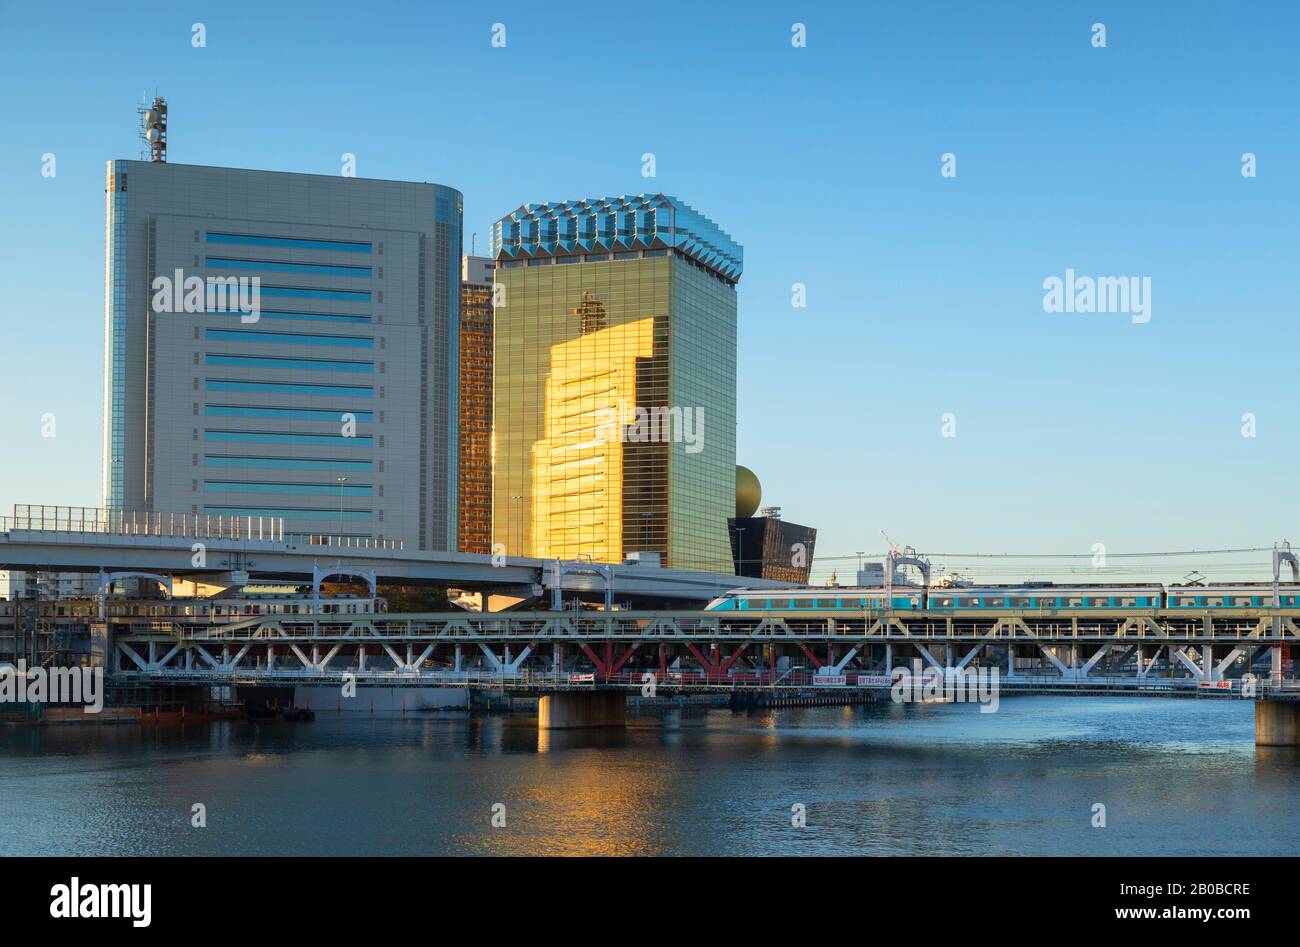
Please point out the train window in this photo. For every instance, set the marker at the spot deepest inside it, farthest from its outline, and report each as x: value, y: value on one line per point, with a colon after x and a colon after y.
x: 1074, y: 601
x: 1017, y: 602
x: 1215, y: 601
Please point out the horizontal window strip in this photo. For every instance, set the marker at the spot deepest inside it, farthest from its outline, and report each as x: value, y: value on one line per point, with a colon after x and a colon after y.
x: 288, y: 513
x: 307, y: 316
x: 290, y: 338
x: 307, y: 364
x: 286, y: 463
x: 275, y: 387
x: 247, y: 486
x: 301, y: 243
x: 278, y: 266
x: 294, y: 291
x: 297, y: 414
x: 276, y: 437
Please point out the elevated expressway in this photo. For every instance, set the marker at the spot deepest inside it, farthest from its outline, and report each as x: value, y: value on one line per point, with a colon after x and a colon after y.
x: 226, y: 551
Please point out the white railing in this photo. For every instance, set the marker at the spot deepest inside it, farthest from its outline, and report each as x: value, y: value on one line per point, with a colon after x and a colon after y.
x: 111, y: 522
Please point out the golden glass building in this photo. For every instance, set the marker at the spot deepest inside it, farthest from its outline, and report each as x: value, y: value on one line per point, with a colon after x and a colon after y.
x: 614, y: 400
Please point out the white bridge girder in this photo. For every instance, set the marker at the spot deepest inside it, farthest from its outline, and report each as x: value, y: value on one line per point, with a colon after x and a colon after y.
x: 1066, y: 649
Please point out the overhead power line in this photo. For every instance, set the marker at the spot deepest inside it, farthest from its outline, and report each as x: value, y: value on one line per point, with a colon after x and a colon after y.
x: 1066, y: 555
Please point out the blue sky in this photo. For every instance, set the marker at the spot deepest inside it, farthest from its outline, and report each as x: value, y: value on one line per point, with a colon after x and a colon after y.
x: 924, y: 293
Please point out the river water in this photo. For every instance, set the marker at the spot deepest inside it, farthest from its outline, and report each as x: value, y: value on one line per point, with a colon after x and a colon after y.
x: 1174, y: 776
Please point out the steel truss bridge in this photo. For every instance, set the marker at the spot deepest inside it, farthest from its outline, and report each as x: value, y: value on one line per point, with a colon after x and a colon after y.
x: 1161, y: 652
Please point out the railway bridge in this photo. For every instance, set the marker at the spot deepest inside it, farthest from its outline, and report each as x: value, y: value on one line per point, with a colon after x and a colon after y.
x: 572, y: 658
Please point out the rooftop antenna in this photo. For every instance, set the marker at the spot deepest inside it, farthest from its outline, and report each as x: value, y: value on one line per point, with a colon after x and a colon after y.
x: 153, y: 128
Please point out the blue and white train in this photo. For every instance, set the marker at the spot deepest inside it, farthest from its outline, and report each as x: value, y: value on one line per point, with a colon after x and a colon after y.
x: 1031, y: 597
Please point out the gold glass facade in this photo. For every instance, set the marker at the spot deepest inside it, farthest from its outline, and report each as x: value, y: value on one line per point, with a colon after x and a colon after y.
x: 474, y: 498
x: 614, y: 410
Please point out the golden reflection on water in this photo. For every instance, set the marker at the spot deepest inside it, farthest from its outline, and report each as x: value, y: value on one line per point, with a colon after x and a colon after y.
x: 579, y: 801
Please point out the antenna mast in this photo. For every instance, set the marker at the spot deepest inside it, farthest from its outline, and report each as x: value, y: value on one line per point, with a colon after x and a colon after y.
x: 153, y: 128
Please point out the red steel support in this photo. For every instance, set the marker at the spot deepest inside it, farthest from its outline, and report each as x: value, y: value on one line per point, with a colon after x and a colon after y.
x: 811, y: 657
x: 618, y: 665
x: 601, y: 667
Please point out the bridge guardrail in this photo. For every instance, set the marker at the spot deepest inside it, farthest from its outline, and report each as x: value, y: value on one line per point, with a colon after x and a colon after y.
x: 82, y: 520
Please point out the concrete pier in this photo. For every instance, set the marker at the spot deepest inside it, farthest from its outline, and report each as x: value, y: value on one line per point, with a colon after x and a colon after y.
x: 572, y: 710
x: 1277, y: 722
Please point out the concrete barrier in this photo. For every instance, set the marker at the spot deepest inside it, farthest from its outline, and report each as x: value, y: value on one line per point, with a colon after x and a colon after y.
x: 1277, y: 722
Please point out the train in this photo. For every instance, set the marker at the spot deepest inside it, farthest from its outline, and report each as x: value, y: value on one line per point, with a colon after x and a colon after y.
x: 1037, y: 596
x: 232, y: 605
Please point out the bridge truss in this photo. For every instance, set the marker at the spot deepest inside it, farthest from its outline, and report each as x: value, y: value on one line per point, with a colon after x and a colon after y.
x: 1132, y: 650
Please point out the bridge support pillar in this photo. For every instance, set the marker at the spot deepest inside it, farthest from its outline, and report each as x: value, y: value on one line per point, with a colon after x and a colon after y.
x: 578, y: 709
x: 1277, y: 722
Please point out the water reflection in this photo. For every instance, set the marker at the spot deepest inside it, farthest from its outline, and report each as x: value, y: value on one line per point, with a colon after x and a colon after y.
x: 1176, y: 777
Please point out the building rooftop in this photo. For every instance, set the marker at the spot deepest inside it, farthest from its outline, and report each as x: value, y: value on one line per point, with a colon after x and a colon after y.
x: 628, y: 222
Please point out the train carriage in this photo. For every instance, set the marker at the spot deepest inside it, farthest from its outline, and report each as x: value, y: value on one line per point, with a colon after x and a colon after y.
x: 1031, y: 597
x: 1245, y: 595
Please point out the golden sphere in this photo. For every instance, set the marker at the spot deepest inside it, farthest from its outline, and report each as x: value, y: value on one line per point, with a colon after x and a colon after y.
x: 748, y: 492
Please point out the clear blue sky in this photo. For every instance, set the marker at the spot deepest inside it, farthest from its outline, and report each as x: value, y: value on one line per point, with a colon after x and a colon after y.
x: 924, y: 293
